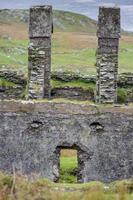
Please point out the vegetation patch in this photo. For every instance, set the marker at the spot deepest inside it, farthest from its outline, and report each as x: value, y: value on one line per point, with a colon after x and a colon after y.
x: 122, y: 95
x: 125, y: 94
x: 73, y: 84
x: 70, y: 51
x: 18, y: 187
x: 68, y: 170
x: 5, y: 83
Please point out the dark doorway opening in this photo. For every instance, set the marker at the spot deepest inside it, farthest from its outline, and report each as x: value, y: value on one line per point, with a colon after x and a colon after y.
x: 68, y: 165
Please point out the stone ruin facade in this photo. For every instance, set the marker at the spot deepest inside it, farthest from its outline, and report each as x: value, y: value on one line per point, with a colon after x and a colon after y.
x: 32, y: 135
x: 107, y: 54
x: 40, y: 28
x: 108, y: 33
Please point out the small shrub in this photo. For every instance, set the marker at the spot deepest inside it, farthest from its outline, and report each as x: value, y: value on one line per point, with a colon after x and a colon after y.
x: 122, y: 95
x: 8, y: 181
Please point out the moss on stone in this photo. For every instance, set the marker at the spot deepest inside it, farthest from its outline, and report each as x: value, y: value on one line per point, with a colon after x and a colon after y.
x: 122, y: 95
x: 76, y: 83
x: 6, y: 83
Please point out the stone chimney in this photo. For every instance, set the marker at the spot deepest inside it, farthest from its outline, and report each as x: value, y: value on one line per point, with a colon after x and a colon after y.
x: 107, y: 54
x: 40, y: 28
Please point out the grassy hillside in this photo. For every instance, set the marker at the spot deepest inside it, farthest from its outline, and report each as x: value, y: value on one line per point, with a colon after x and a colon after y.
x: 63, y: 21
x: 73, y: 43
x: 71, y: 22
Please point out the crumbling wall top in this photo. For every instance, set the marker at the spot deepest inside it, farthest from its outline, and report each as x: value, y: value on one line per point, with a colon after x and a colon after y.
x: 62, y: 108
x: 109, y: 23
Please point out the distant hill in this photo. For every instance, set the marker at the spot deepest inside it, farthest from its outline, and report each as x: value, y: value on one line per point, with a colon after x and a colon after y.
x: 71, y: 22
x: 74, y: 43
x: 63, y: 21
x: 85, y: 7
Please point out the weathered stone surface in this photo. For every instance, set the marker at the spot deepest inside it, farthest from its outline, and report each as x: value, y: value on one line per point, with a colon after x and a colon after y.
x: 39, y: 70
x: 16, y: 84
x: 73, y: 93
x: 109, y: 23
x: 14, y: 92
x: 107, y: 54
x: 18, y: 91
x: 32, y: 134
x: 124, y: 79
x: 13, y: 76
x: 107, y: 46
x: 40, y: 52
x: 40, y: 23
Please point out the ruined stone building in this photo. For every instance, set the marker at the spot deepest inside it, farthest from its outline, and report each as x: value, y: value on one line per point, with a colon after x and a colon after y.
x: 108, y: 33
x: 32, y: 134
x: 40, y: 29
x: 107, y: 54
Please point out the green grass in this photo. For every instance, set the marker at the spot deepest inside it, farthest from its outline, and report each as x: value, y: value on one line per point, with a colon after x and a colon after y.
x: 19, y: 188
x: 125, y: 57
x: 122, y: 95
x: 68, y: 167
x: 13, y: 54
x: 76, y: 83
x: 68, y: 21
x: 76, y: 60
x: 73, y: 48
x: 90, y: 87
x: 5, y: 83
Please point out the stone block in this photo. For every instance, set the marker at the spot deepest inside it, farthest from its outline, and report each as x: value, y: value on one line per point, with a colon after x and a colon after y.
x: 40, y: 28
x: 107, y: 54
x: 40, y: 24
x: 109, y: 23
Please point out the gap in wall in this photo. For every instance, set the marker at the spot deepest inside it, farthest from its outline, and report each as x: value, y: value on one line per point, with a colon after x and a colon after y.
x: 68, y: 166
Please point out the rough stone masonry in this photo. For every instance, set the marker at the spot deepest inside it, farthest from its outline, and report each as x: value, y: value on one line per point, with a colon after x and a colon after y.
x: 40, y: 28
x: 107, y: 54
x: 32, y: 135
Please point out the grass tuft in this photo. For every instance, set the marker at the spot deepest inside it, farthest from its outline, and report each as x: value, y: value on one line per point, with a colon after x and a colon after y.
x: 5, y: 83
x: 41, y: 189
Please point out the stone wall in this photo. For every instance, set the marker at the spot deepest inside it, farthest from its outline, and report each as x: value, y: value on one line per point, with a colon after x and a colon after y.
x: 32, y: 134
x: 124, y: 79
x: 17, y: 90
x: 12, y: 84
x: 40, y: 28
x: 73, y: 93
x: 107, y: 54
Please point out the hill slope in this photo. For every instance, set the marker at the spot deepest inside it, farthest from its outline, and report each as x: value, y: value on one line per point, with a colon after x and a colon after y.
x: 63, y: 21
x: 72, y: 22
x: 73, y: 43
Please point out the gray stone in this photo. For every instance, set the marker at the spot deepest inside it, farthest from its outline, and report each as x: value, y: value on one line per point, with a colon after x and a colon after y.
x: 107, y: 55
x: 40, y: 28
x: 109, y: 22
x: 40, y: 21
x: 32, y: 135
x: 73, y: 93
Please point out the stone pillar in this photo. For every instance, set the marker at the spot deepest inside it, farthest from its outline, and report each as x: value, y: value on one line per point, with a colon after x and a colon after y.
x: 107, y: 54
x: 40, y: 27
